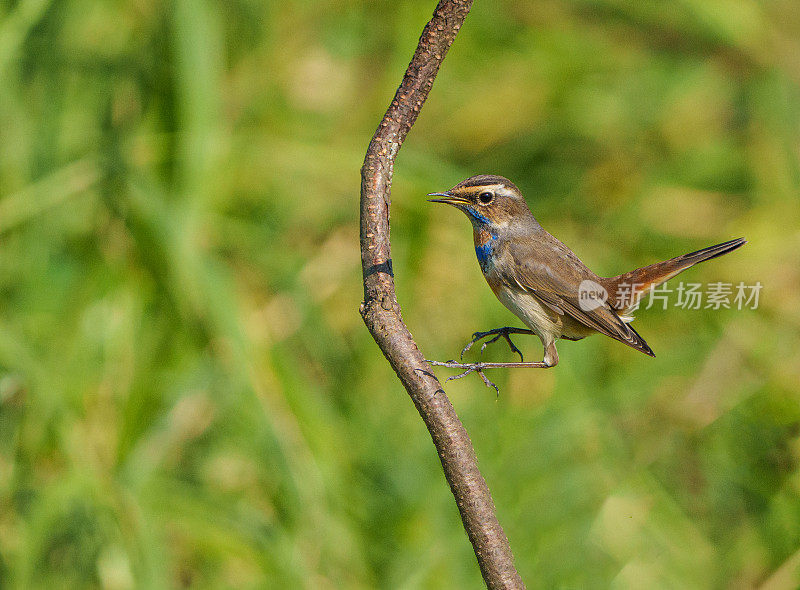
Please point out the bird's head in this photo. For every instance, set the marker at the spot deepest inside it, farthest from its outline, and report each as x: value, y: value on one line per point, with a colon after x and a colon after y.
x: 489, y: 201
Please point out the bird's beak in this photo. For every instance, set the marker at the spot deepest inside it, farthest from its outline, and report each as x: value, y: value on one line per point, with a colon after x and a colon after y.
x: 448, y: 198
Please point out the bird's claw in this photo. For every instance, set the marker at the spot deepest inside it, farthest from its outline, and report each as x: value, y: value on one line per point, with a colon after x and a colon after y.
x: 511, y: 345
x: 497, y: 333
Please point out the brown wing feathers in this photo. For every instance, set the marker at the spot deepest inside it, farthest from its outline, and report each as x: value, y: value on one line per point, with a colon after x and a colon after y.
x: 559, y: 298
x: 603, y: 319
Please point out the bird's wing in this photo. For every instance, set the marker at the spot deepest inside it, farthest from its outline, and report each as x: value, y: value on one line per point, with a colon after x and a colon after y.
x: 557, y: 286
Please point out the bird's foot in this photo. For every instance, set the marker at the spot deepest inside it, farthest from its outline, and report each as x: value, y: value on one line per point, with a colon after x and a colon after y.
x: 497, y: 333
x: 468, y: 368
x: 479, y: 368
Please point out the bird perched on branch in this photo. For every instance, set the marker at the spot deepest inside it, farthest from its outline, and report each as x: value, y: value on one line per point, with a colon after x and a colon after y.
x: 543, y: 282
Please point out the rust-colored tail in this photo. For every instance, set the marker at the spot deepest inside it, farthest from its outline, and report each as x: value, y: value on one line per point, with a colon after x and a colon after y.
x: 625, y: 290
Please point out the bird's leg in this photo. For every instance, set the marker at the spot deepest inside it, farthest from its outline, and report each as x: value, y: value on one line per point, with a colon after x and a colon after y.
x: 497, y: 333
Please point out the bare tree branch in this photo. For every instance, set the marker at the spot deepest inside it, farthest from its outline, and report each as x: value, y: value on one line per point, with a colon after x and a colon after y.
x: 381, y: 311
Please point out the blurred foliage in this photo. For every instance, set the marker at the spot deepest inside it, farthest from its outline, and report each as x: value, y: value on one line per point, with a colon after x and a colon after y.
x: 188, y: 397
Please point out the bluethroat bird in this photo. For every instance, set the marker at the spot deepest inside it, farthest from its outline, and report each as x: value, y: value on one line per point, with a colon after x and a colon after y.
x: 543, y: 282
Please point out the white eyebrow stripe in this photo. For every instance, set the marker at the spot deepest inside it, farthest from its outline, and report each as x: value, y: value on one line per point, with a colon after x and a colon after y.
x: 489, y: 187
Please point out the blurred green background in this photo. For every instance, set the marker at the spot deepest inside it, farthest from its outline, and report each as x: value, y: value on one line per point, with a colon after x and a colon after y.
x: 188, y: 397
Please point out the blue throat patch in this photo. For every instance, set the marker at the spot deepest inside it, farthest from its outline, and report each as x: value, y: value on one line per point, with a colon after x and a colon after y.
x: 483, y: 253
x: 476, y: 216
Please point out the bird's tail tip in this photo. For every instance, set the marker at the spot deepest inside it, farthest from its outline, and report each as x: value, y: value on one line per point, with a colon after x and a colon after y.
x: 715, y: 250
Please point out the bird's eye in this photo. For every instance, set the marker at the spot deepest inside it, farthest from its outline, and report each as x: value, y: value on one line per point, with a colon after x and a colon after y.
x: 486, y: 197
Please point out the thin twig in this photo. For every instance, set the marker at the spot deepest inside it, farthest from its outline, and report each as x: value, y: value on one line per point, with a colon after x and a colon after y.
x: 381, y: 311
